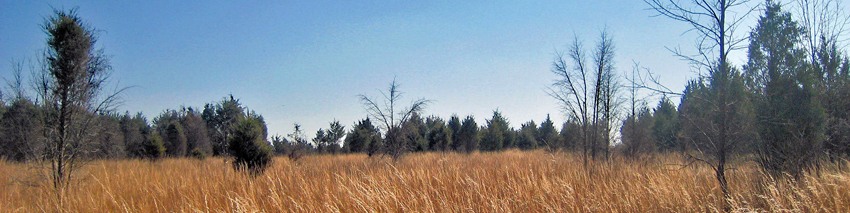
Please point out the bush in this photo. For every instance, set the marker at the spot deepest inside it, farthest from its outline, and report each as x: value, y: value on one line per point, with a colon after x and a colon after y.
x: 248, y: 146
x: 197, y: 153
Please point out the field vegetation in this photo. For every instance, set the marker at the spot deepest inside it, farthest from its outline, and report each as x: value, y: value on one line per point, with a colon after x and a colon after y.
x: 507, y: 181
x: 769, y: 135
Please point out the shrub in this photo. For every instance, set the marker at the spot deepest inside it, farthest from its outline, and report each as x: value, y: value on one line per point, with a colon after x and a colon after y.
x: 197, y: 153
x: 248, y: 146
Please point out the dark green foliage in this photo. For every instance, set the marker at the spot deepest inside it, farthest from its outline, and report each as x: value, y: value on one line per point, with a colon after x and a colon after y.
x: 717, y: 120
x: 665, y: 126
x: 527, y: 136
x: 571, y: 135
x: 833, y: 91
x: 497, y: 133
x: 134, y: 129
x: 220, y: 117
x: 327, y: 141
x: 415, y: 131
x: 439, y: 136
x: 198, y: 154
x: 791, y: 129
x: 376, y: 147
x: 280, y: 145
x: 706, y: 128
x: 468, y: 135
x: 249, y: 147
x: 392, y: 120
x: 636, y: 134
x: 547, y: 135
x: 362, y: 136
x: 175, y: 139
x: 153, y: 146
x: 790, y: 117
x: 394, y: 143
x: 454, y: 126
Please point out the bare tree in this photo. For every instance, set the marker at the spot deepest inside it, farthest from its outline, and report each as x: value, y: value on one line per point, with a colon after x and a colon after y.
x: 20, y: 127
x: 634, y: 136
x: 588, y: 95
x: 390, y: 118
x: 69, y: 86
x: 715, y: 23
x: 825, y: 22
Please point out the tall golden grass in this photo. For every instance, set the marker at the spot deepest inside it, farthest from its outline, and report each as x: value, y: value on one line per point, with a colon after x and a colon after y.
x: 509, y: 181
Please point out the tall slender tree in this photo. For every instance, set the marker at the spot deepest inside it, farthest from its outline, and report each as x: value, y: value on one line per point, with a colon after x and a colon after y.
x: 73, y: 76
x: 589, y: 93
x: 715, y: 29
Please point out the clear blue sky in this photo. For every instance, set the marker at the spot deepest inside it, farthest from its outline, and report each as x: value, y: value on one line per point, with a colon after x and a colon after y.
x: 306, y: 61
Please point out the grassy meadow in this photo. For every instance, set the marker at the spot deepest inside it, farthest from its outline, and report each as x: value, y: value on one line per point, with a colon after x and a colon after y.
x: 509, y: 181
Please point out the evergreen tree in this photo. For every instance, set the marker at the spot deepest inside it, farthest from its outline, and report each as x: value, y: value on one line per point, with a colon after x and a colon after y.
x: 547, y: 135
x: 665, y: 126
x: 790, y: 118
x: 153, y: 146
x: 327, y: 141
x: 392, y: 119
x: 69, y: 88
x: 298, y: 144
x: 495, y: 135
x: 175, y: 140
x: 570, y: 135
x: 134, y: 129
x: 454, y: 125
x: 717, y: 120
x: 415, y: 132
x: 360, y: 138
x: 439, y: 135
x: 249, y: 147
x: 468, y: 135
x: 527, y: 136
x: 220, y: 117
x: 636, y: 134
x: 109, y: 140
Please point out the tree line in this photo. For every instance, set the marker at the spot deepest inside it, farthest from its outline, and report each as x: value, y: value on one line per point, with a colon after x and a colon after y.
x: 788, y: 106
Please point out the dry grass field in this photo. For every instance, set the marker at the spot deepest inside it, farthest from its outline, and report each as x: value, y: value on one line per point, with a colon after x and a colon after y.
x: 510, y: 181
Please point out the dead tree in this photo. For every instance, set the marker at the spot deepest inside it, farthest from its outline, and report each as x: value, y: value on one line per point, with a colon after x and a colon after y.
x: 391, y: 119
x: 588, y: 95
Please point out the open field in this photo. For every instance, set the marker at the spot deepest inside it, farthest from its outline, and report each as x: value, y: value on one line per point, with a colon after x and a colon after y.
x: 510, y: 181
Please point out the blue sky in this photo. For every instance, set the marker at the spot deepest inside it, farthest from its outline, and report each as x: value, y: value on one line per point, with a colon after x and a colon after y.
x: 306, y: 61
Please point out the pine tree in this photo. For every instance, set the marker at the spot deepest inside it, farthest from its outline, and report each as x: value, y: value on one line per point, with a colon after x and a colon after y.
x: 790, y: 117
x: 468, y: 135
x: 439, y: 135
x: 249, y: 147
x: 547, y: 135
x: 495, y: 135
x: 527, y: 136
